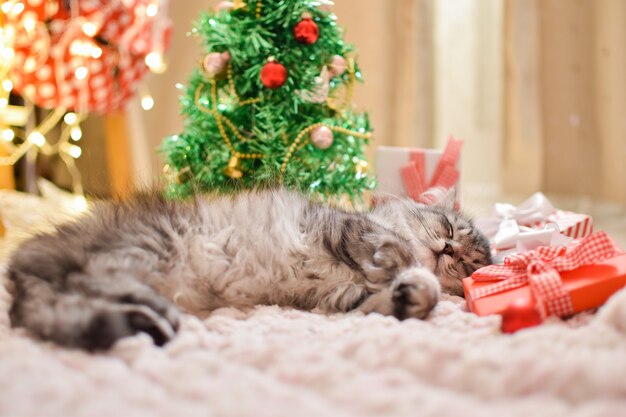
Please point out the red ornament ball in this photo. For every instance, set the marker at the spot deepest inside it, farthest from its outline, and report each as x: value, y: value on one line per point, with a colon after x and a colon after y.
x: 519, y: 315
x: 273, y: 74
x: 306, y: 31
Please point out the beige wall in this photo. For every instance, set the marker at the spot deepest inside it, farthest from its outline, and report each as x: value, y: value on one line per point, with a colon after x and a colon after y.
x: 565, y: 125
x: 148, y: 128
x: 468, y: 86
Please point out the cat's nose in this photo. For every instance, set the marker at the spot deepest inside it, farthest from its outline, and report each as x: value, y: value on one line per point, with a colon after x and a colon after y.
x: 448, y: 250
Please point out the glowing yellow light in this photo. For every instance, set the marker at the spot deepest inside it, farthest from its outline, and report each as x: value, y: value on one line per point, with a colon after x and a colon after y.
x: 80, y: 48
x: 8, y: 135
x: 4, y: 102
x: 79, y: 204
x: 147, y: 102
x: 70, y: 118
x: 37, y: 138
x: 152, y: 10
x: 81, y: 73
x: 29, y: 24
x: 74, y: 151
x: 30, y: 64
x: 7, y: 54
x: 17, y: 8
x: 76, y: 133
x: 89, y: 28
x: 76, y: 47
x: 154, y: 61
x: 96, y: 52
x: 7, y: 85
x: 6, y: 7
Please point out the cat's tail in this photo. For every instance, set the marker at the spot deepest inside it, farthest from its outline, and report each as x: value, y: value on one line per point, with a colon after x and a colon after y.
x: 78, y: 320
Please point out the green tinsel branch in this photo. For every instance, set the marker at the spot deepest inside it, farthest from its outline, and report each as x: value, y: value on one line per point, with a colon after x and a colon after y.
x: 198, y: 157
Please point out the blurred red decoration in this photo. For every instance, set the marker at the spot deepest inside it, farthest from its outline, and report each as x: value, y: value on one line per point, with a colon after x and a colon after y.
x: 87, y: 55
x: 519, y: 315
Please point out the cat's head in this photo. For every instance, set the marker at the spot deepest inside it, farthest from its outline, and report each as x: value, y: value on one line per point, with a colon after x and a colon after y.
x: 445, y: 240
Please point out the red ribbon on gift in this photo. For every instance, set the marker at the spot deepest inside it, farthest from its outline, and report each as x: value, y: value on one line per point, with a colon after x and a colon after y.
x: 446, y: 174
x: 414, y: 174
x: 540, y: 269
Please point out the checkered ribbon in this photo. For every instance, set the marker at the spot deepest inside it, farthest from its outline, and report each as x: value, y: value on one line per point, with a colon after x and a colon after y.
x: 540, y: 269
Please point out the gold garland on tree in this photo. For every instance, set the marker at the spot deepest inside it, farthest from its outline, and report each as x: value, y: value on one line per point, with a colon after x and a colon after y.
x: 234, y: 169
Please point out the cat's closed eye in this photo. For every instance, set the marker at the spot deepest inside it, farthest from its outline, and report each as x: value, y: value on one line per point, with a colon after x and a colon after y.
x: 448, y: 225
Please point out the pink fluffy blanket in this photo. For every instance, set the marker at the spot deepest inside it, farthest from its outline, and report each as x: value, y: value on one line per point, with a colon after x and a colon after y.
x: 279, y: 362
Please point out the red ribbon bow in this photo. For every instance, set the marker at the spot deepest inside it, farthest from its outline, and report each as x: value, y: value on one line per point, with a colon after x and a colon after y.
x: 540, y: 269
x: 446, y: 174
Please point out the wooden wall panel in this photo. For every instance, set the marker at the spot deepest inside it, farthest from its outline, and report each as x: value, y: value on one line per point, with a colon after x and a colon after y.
x: 571, y: 163
x: 523, y: 136
x: 565, y: 97
x: 609, y: 78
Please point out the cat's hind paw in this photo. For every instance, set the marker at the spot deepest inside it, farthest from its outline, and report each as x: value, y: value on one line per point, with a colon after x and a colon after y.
x: 415, y: 293
x: 123, y: 320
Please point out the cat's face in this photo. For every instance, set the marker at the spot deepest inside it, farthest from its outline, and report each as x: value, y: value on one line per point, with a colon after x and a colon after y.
x: 445, y: 241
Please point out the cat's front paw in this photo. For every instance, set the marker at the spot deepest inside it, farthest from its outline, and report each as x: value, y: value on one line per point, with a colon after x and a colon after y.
x: 415, y: 293
x: 388, y: 258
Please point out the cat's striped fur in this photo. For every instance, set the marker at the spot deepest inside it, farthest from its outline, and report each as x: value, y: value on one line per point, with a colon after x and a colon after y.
x: 131, y: 267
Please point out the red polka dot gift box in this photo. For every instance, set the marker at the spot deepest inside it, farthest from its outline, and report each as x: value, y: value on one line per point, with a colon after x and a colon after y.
x: 87, y: 55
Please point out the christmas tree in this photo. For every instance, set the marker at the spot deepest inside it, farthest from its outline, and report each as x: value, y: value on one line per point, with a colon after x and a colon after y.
x: 271, y: 103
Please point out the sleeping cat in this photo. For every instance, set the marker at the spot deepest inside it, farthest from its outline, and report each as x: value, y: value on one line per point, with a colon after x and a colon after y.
x: 131, y: 267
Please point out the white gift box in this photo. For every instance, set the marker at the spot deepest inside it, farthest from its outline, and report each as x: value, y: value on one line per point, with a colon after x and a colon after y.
x: 392, y: 161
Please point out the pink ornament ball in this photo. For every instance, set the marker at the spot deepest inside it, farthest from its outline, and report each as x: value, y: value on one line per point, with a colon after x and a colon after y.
x: 338, y: 65
x: 215, y: 63
x: 322, y: 137
x: 226, y: 6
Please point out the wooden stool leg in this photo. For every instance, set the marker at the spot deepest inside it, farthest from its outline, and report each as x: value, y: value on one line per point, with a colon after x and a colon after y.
x: 119, y: 158
x: 7, y: 181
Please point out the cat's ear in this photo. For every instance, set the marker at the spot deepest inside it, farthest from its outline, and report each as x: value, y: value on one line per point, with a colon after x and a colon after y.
x: 448, y: 201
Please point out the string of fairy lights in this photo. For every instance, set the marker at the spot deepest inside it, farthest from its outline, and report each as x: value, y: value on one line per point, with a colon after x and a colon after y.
x: 59, y: 132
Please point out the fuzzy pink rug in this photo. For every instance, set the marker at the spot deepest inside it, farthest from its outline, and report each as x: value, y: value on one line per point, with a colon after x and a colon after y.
x: 279, y: 362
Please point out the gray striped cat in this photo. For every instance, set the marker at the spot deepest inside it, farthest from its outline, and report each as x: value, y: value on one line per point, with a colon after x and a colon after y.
x: 132, y: 267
